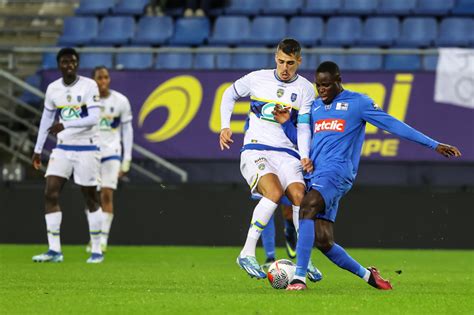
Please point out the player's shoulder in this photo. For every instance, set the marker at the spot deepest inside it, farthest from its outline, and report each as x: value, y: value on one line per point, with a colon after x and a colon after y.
x: 87, y: 81
x: 262, y: 73
x: 117, y: 94
x: 58, y: 83
x: 359, y: 98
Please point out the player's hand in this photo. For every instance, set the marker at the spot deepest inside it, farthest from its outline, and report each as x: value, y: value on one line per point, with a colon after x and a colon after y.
x: 307, y: 165
x: 225, y: 138
x: 448, y: 150
x: 56, y: 128
x: 36, y: 161
x: 124, y: 168
x: 281, y: 114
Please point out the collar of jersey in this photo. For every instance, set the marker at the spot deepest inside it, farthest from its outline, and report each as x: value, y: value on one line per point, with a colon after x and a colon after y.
x: 289, y: 81
x: 75, y: 81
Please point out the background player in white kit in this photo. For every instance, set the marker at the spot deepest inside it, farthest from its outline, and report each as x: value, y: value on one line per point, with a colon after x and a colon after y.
x: 115, y: 127
x: 76, y: 99
x: 270, y: 162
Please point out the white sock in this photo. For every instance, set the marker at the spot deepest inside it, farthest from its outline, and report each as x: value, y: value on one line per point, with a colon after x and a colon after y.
x: 299, y: 278
x: 261, y: 215
x: 107, y: 218
x: 95, y: 224
x: 53, y: 224
x: 296, y: 217
x: 367, y: 275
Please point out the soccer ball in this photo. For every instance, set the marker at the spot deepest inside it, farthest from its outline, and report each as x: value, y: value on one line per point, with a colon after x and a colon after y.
x: 281, y: 273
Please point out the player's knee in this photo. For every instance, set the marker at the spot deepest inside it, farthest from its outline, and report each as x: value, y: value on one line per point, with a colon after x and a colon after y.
x: 274, y: 194
x: 307, y: 213
x: 323, y: 242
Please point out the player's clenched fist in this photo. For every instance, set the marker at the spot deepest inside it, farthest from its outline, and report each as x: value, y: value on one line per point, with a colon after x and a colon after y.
x: 307, y: 165
x: 225, y: 138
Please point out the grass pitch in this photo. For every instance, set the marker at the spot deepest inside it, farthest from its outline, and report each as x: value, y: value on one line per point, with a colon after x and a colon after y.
x: 203, y: 280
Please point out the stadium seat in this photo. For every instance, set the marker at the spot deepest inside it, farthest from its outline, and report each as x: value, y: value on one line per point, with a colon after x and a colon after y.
x: 456, y: 31
x: 134, y: 61
x: 92, y: 60
x: 309, y: 62
x: 115, y: 30
x: 307, y: 30
x: 418, y: 32
x: 28, y: 97
x: 430, y: 62
x: 174, y: 61
x: 250, y: 61
x: 337, y: 58
x: 380, y: 31
x: 79, y: 31
x: 204, y: 61
x: 402, y: 62
x: 282, y: 7
x: 127, y: 7
x: 244, y: 7
x: 396, y: 7
x: 190, y: 31
x: 321, y: 7
x: 230, y: 30
x: 342, y: 31
x: 48, y: 61
x: 223, y: 61
x: 358, y: 7
x: 260, y: 34
x: 95, y: 7
x: 464, y: 7
x: 434, y: 7
x: 361, y: 62
x: 153, y: 30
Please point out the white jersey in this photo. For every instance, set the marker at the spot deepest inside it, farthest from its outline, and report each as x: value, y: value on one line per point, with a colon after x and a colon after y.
x: 266, y: 90
x: 72, y: 102
x: 116, y: 110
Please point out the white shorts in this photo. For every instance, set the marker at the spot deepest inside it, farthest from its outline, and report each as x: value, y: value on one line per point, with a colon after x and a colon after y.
x: 85, y: 165
x: 109, y: 172
x: 254, y: 164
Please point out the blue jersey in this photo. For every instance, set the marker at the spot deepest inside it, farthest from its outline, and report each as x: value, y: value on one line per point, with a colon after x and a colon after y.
x: 338, y: 131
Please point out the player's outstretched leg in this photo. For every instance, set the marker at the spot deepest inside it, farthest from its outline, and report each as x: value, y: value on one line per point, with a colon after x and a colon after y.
x: 268, y: 241
x: 303, y: 254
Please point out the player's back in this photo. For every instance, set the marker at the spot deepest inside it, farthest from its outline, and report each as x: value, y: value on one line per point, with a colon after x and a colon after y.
x: 266, y: 91
x: 72, y: 102
x: 338, y: 133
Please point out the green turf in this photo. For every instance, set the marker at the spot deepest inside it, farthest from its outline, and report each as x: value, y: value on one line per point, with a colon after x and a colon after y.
x: 201, y: 280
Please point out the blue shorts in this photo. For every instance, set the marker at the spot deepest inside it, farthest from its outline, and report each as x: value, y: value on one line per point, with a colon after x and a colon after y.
x: 332, y: 188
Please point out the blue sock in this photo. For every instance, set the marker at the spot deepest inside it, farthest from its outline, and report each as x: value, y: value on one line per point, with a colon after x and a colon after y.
x: 340, y: 257
x: 268, y: 238
x: 304, y: 246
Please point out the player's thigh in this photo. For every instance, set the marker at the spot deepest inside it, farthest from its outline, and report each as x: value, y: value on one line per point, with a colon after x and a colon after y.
x: 87, y: 168
x: 109, y: 172
x: 290, y: 174
x: 60, y: 164
x: 269, y: 186
x: 312, y: 204
x: 254, y: 165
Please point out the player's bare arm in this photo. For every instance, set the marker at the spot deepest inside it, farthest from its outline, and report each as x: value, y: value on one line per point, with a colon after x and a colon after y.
x: 225, y: 138
x: 448, y: 150
x: 56, y: 128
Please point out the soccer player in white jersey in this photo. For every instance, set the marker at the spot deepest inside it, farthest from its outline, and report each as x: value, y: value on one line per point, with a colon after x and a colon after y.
x: 115, y: 128
x: 77, y: 102
x: 270, y: 162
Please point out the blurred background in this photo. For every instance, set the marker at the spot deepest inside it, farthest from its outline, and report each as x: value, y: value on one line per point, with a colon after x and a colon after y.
x: 174, y: 59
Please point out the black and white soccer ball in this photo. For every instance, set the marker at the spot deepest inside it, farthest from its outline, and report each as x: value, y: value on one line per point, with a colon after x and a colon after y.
x: 281, y: 273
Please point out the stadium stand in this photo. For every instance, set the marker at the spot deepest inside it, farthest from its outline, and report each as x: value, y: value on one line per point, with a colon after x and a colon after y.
x: 190, y: 31
x: 153, y: 31
x: 244, y: 7
x: 398, y: 7
x: 174, y: 61
x: 464, y: 7
x: 456, y: 31
x: 134, y: 61
x: 48, y: 61
x: 418, y: 32
x: 127, y: 7
x: 342, y: 31
x: 115, y: 30
x: 430, y: 62
x: 92, y: 60
x: 308, y: 30
x: 204, y: 61
x: 259, y: 34
x: 321, y: 7
x: 309, y: 62
x: 251, y: 61
x: 434, y: 7
x: 94, y: 7
x: 358, y: 7
x: 402, y: 62
x: 380, y: 31
x: 361, y: 62
x: 79, y: 31
x: 230, y: 30
x: 282, y: 7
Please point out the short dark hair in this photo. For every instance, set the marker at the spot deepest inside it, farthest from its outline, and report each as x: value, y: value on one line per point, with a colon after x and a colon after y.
x: 290, y: 47
x: 66, y: 51
x: 102, y: 67
x: 329, y: 66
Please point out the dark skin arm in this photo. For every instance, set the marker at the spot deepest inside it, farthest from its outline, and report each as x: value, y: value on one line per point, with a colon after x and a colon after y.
x: 54, y: 130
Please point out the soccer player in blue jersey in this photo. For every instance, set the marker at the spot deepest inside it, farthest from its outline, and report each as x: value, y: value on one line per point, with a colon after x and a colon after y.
x: 337, y: 119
